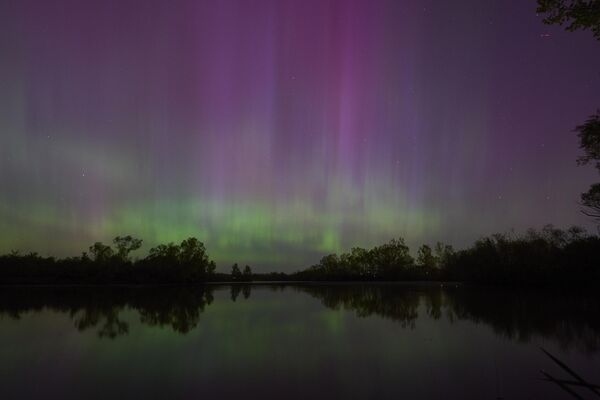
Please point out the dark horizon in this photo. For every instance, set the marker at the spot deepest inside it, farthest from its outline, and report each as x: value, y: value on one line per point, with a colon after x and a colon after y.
x: 549, y: 257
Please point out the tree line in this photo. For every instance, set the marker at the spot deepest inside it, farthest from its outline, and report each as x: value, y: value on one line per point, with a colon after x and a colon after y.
x: 538, y: 257
x: 185, y: 263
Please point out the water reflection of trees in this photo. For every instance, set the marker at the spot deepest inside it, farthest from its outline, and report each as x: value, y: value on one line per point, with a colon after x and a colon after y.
x: 367, y: 300
x: 101, y: 308
x: 570, y: 319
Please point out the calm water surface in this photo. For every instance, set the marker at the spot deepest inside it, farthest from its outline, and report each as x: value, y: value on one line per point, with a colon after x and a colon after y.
x: 304, y: 342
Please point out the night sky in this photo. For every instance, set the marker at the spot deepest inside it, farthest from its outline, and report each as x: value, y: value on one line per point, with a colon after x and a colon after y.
x: 280, y: 130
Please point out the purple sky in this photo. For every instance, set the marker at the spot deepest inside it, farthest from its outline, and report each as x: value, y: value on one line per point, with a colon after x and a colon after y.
x: 280, y: 130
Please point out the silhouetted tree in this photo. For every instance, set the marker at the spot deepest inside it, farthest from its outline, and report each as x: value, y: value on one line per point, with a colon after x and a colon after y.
x: 125, y: 245
x: 443, y: 252
x: 549, y: 255
x: 247, y: 273
x: 101, y: 252
x: 236, y: 274
x: 359, y: 263
x: 192, y: 251
x: 576, y: 14
x: 425, y: 257
x: 589, y: 142
x: 538, y: 257
x: 581, y: 14
x: 167, y: 252
x: 186, y: 262
x: 170, y: 263
x: 392, y: 260
x: 194, y: 259
x: 591, y: 200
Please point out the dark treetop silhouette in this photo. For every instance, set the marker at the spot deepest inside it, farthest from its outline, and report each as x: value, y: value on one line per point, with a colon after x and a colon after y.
x: 589, y: 139
x: 187, y: 262
x: 576, y: 14
x: 581, y: 14
x: 538, y: 257
x: 549, y: 256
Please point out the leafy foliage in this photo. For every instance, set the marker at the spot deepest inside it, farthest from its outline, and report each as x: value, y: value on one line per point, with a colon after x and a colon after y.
x: 236, y: 274
x: 425, y: 258
x: 581, y: 14
x: 390, y: 261
x: 101, y: 252
x: 549, y: 256
x: 575, y: 14
x: 589, y: 140
x: 125, y: 245
x: 591, y: 200
x: 187, y: 262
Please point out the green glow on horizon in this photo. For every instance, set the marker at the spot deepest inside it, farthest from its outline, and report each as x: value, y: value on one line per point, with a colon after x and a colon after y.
x: 235, y: 231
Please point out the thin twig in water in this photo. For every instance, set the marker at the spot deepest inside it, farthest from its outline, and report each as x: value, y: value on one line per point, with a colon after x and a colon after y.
x: 561, y: 385
x: 574, y: 383
x: 572, y: 373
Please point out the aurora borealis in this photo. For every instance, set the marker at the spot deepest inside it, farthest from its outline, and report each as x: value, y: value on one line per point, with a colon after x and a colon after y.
x: 280, y: 130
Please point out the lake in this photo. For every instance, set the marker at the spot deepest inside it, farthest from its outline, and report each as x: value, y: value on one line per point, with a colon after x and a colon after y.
x: 294, y: 341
